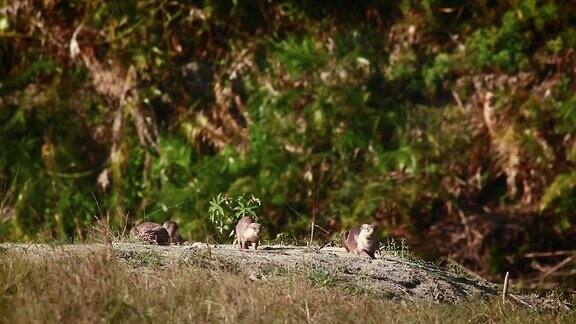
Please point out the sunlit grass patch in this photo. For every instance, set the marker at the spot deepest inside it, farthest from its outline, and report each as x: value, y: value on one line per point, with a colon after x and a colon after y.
x: 98, y: 287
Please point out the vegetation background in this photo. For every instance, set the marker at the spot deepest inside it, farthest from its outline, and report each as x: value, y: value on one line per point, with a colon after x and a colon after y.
x: 450, y: 123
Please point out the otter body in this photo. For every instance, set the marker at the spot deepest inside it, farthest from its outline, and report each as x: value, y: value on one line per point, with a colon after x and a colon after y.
x: 150, y: 232
x: 248, y: 232
x: 173, y: 235
x: 361, y: 240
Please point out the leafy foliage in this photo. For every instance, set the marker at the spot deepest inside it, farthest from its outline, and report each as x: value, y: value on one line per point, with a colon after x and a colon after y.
x: 224, y: 211
x: 449, y: 123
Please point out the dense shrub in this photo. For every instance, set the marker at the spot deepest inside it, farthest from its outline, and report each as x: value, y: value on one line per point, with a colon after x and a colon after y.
x: 450, y: 123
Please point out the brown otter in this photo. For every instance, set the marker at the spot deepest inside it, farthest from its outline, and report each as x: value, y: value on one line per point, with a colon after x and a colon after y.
x: 150, y: 232
x: 361, y: 240
x: 248, y: 232
x: 174, y: 236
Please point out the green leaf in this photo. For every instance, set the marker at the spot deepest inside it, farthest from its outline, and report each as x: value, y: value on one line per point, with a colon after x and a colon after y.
x: 4, y: 24
x: 561, y: 186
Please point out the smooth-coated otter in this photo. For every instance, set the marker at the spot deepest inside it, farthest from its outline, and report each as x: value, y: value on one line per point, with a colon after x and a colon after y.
x: 150, y: 232
x: 248, y: 232
x: 363, y: 239
x: 173, y: 235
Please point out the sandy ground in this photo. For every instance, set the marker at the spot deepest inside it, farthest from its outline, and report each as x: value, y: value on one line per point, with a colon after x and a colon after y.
x: 387, y: 276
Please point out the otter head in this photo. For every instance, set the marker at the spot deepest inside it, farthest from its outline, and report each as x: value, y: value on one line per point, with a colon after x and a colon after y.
x: 368, y: 230
x: 252, y: 232
x: 172, y: 228
x: 157, y: 235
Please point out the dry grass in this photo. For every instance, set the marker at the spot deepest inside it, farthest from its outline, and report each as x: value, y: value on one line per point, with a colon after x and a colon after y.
x: 94, y: 287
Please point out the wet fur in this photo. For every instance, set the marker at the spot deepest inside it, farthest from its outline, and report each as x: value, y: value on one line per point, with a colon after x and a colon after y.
x: 173, y: 234
x: 246, y: 226
x: 150, y: 232
x: 360, y: 245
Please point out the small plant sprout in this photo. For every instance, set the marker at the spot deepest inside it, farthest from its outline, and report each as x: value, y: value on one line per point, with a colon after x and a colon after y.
x: 224, y: 211
x: 246, y: 207
x: 216, y: 212
x: 280, y: 238
x: 399, y: 249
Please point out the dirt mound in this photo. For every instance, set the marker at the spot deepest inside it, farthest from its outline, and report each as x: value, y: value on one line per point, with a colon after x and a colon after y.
x: 387, y: 276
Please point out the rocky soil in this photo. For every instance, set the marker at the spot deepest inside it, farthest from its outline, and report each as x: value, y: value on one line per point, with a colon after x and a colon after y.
x: 387, y: 276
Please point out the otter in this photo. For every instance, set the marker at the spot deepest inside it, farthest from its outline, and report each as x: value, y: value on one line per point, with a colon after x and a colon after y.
x: 248, y: 232
x: 150, y: 232
x: 361, y: 240
x: 174, y: 236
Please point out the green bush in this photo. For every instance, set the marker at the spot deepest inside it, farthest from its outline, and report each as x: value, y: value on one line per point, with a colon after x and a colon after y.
x: 420, y: 116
